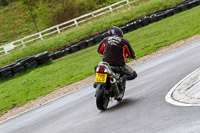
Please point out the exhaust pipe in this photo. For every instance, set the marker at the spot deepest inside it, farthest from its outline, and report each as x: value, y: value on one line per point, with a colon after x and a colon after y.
x: 112, y: 80
x: 114, y: 86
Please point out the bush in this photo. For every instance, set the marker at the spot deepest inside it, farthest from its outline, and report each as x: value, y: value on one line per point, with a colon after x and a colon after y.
x: 69, y: 9
x: 3, y: 2
x: 6, y: 2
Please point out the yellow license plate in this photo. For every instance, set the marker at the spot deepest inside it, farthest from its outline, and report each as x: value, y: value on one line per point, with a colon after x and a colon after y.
x: 101, y: 77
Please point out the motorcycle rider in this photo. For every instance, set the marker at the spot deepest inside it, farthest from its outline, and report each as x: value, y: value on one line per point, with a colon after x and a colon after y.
x: 115, y: 49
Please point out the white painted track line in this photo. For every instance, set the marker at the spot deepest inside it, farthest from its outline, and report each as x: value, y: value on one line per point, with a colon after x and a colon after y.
x: 178, y: 100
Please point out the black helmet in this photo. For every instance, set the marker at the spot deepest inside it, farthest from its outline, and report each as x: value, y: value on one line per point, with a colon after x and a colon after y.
x: 115, y: 31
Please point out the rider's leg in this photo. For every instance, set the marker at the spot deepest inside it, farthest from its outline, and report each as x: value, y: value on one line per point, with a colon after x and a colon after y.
x: 129, y: 72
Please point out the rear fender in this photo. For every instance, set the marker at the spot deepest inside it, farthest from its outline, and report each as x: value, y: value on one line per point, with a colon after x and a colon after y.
x: 106, y: 87
x: 100, y: 86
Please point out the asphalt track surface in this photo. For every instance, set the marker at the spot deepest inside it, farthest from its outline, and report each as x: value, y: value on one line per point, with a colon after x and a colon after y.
x: 143, y: 110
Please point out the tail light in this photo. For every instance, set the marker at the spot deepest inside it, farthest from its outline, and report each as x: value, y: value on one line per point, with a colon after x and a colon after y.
x: 101, y: 69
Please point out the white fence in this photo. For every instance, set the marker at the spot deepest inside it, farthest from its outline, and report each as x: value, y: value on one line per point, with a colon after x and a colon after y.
x: 58, y: 28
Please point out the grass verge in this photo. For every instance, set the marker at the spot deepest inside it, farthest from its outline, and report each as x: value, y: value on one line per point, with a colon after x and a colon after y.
x: 75, y: 67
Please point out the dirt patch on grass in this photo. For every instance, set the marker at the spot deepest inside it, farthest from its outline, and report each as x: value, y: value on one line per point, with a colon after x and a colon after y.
x: 70, y: 88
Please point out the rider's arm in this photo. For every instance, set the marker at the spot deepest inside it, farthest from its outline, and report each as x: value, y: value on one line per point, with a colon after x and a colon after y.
x: 101, y: 47
x: 129, y: 50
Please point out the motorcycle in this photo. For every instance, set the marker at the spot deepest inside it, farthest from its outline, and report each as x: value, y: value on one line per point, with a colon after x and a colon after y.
x: 108, y: 85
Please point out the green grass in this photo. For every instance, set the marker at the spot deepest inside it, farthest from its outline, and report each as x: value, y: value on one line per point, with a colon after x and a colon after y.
x: 75, y: 67
x: 16, y: 21
x: 87, y: 29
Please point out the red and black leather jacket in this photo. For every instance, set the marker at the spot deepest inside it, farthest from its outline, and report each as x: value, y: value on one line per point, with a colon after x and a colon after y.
x: 115, y: 49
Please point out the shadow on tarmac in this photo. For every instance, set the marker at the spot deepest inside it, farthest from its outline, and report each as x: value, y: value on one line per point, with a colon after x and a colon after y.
x: 122, y: 104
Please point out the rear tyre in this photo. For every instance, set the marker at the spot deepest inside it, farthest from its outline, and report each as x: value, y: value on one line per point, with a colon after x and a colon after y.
x: 102, y: 99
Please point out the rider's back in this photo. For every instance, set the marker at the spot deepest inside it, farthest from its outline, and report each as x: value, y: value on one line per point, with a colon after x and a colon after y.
x: 115, y: 49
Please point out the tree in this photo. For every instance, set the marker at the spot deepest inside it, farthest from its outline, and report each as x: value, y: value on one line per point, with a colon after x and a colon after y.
x: 31, y: 12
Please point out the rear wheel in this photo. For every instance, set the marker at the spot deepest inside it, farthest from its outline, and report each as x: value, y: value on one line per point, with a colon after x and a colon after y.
x: 102, y: 99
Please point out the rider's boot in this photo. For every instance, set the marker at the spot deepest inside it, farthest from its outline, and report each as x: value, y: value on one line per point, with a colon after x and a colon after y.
x: 121, y: 82
x: 131, y: 76
x: 119, y: 95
